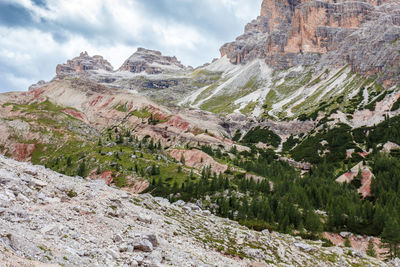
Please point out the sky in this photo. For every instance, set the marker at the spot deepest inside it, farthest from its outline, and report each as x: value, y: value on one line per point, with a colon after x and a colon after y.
x: 36, y: 35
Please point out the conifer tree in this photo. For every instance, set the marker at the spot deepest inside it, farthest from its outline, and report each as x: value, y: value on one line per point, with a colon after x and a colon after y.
x: 82, y: 169
x: 69, y: 162
x: 182, y: 160
x: 347, y: 243
x: 371, y: 250
x: 391, y: 236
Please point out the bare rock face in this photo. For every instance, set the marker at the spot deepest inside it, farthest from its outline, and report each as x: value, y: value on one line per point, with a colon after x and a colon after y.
x: 301, y: 32
x: 151, y: 62
x: 82, y: 64
x: 198, y: 159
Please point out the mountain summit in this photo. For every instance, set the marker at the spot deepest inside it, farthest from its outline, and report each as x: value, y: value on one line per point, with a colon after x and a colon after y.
x: 293, y: 134
x: 151, y: 62
x: 288, y: 33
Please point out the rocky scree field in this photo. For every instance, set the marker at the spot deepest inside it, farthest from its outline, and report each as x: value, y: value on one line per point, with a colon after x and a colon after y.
x: 55, y: 219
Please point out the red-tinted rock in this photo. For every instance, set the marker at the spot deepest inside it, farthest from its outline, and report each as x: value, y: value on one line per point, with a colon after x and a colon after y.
x: 198, y: 159
x: 23, y: 152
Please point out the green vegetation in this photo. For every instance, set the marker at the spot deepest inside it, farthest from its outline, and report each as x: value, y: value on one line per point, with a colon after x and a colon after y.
x: 115, y: 151
x: 347, y: 243
x: 338, y: 140
x: 237, y: 136
x: 142, y: 113
x: 371, y: 106
x: 263, y: 135
x: 223, y: 102
x: 290, y: 143
x: 72, y: 194
x: 258, y: 190
x: 396, y: 105
x: 391, y: 236
x: 122, y: 107
x: 371, y: 251
x: 248, y: 108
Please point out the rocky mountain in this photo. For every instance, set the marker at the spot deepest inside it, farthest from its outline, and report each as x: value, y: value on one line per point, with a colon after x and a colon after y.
x: 51, y: 218
x: 298, y: 54
x: 295, y: 129
x: 292, y: 33
x: 82, y: 64
x: 151, y: 62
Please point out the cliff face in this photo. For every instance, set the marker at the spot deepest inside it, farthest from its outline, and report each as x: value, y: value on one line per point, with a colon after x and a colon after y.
x: 301, y: 32
x: 151, y: 62
x: 82, y: 64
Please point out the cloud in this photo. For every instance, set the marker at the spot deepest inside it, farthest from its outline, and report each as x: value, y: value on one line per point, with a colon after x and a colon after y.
x: 36, y: 35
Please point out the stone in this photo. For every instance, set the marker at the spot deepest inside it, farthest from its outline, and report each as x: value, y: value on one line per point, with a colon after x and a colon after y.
x: 305, y: 247
x: 134, y: 263
x: 152, y: 238
x: 22, y: 198
x: 41, y: 196
x: 179, y: 203
x: 345, y: 234
x: 206, y: 213
x: 79, y: 232
x: 265, y: 232
x: 118, y: 238
x: 144, y: 218
x: 124, y: 248
x: 359, y: 254
x: 143, y: 245
x: 113, y: 254
x: 395, y: 262
x: 39, y: 183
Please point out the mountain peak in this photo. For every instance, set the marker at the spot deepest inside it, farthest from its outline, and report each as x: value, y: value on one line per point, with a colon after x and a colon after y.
x: 82, y: 64
x: 151, y: 62
x: 301, y: 32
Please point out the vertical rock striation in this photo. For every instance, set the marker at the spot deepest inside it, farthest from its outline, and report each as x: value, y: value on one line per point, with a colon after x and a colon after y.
x: 363, y: 34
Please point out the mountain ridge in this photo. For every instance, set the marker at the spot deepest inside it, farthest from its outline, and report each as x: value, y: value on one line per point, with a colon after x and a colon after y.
x: 298, y: 117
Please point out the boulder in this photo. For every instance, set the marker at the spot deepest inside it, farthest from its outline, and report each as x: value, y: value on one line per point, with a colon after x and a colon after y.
x: 143, y: 245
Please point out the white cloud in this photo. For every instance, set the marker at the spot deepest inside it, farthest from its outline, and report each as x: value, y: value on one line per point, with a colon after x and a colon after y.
x: 113, y: 29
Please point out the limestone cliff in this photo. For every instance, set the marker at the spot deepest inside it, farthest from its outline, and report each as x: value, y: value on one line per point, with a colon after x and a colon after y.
x: 81, y: 64
x: 151, y: 62
x: 363, y: 34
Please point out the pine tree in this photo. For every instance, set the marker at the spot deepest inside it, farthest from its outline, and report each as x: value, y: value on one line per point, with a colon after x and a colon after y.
x: 347, y: 243
x: 82, y: 169
x: 182, y: 160
x: 120, y: 139
x: 312, y: 222
x: 371, y: 250
x: 69, y: 162
x: 391, y: 236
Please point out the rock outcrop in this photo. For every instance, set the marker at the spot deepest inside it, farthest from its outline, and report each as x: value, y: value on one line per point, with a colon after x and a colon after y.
x: 363, y: 34
x: 82, y: 64
x: 198, y: 159
x: 366, y: 178
x: 49, y: 219
x: 151, y: 62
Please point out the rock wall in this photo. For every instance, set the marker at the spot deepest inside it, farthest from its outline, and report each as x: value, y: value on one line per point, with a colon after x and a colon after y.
x: 82, y: 64
x: 300, y: 32
x: 151, y: 62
